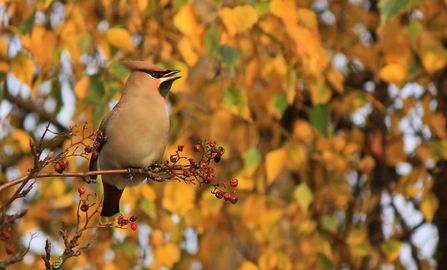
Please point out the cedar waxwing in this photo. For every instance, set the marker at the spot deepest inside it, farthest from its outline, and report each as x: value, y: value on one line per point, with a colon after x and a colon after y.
x: 135, y: 132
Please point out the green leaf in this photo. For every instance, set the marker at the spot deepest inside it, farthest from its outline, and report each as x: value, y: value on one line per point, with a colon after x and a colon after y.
x: 27, y: 26
x: 252, y: 158
x: 96, y: 98
x: 362, y: 249
x: 280, y: 102
x: 391, y: 249
x: 329, y: 223
x: 56, y: 93
x: 250, y: 2
x: 119, y: 70
x: 212, y: 39
x: 389, y: 8
x: 228, y: 54
x: 148, y: 207
x: 319, y: 117
x: 324, y: 261
x: 234, y: 97
x: 303, y: 195
x: 414, y: 29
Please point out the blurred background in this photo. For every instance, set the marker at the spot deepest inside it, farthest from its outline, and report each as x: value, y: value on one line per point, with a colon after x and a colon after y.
x: 332, y: 114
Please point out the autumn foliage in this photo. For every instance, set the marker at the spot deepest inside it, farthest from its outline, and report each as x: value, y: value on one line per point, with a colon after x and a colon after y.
x: 332, y: 115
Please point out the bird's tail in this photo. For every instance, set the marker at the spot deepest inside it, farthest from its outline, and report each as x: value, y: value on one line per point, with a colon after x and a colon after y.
x: 111, y: 207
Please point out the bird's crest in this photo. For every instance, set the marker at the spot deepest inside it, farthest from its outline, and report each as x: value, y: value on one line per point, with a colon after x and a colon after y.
x: 140, y: 65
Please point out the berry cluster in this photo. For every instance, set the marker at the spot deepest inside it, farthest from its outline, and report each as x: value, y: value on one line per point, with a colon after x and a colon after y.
x: 201, y: 171
x: 96, y: 144
x: 84, y: 207
x: 10, y: 249
x: 61, y: 166
x: 123, y: 222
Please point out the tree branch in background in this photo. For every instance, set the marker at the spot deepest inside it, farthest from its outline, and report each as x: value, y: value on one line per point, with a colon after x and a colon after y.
x: 29, y: 106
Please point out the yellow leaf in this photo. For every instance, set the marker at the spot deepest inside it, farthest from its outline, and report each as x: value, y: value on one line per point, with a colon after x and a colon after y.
x: 4, y: 67
x: 147, y: 191
x: 22, y: 67
x: 303, y: 195
x: 63, y: 201
x: 391, y: 249
x: 247, y: 265
x: 168, y: 254
x: 111, y: 266
x: 394, y: 73
x: 142, y: 5
x: 23, y: 138
x: 429, y: 206
x: 120, y: 38
x: 307, y: 43
x: 320, y: 93
x: 187, y: 51
x: 82, y: 87
x: 336, y: 80
x: 186, y: 21
x: 238, y: 19
x: 178, y: 197
x: 367, y: 164
x: 303, y: 131
x: 308, y: 18
x: 395, y: 152
x: 286, y: 10
x: 274, y: 163
x: 42, y: 42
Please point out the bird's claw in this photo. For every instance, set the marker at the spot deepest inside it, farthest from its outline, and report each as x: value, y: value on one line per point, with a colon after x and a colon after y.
x: 130, y: 173
x: 155, y: 166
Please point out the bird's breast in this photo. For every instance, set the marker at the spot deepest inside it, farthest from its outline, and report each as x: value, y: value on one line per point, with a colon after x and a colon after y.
x: 137, y: 137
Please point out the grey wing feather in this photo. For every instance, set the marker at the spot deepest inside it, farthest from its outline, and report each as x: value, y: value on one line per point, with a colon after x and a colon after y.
x: 103, y: 128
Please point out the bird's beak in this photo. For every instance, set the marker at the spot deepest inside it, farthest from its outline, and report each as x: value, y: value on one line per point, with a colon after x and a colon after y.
x: 169, y: 76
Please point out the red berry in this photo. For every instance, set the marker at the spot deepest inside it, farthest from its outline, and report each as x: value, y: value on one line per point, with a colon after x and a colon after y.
x: 212, y: 143
x: 120, y: 221
x: 84, y: 208
x: 191, y: 161
x: 173, y: 159
x: 134, y: 226
x: 81, y: 190
x: 58, y: 168
x: 180, y: 148
x: 186, y: 173
x: 88, y: 149
x: 192, y: 171
x: 171, y: 173
x: 233, y: 199
x: 210, y: 170
x: 233, y: 182
x: 220, y: 151
x: 227, y: 196
x: 10, y: 250
x: 197, y: 148
x: 64, y: 164
x: 6, y: 235
x: 202, y: 164
x: 219, y: 194
x: 96, y: 145
x: 210, y: 178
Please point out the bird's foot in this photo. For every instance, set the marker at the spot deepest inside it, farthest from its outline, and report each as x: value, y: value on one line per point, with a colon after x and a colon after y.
x: 155, y: 166
x: 130, y: 174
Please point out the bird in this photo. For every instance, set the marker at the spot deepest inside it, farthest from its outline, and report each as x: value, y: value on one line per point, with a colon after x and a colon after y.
x: 134, y: 134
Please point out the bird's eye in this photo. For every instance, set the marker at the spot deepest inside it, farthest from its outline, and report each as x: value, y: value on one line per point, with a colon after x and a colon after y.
x: 155, y: 74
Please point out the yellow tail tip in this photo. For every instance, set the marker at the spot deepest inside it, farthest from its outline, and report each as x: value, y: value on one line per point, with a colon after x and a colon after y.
x: 109, y: 221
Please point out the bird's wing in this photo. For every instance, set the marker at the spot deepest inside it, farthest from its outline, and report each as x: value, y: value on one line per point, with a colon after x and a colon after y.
x: 101, y: 140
